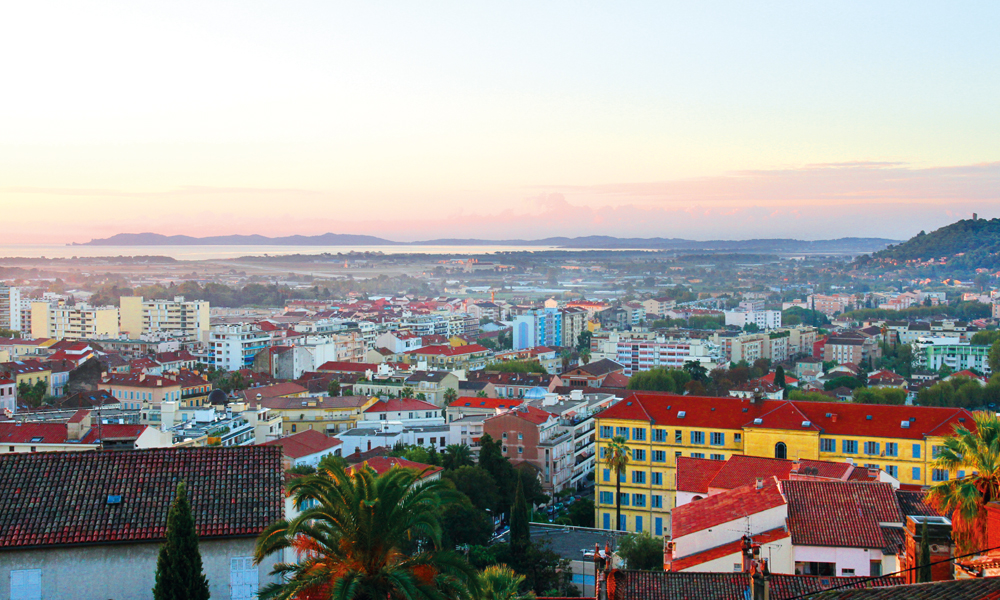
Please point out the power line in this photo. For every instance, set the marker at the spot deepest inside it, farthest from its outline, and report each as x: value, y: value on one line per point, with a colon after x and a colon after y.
x: 863, y: 584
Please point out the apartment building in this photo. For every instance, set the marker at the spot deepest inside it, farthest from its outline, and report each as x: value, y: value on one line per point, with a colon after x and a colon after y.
x: 831, y: 305
x: 178, y: 319
x: 538, y: 327
x: 763, y: 319
x: 135, y: 390
x: 10, y: 307
x: 638, y: 355
x: 932, y: 353
x: 233, y: 347
x: 78, y: 322
x: 532, y: 435
x: 900, y: 440
x: 574, y: 323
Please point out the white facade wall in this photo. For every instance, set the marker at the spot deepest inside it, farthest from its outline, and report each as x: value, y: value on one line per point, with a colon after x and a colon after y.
x: 730, y: 531
x: 845, y: 558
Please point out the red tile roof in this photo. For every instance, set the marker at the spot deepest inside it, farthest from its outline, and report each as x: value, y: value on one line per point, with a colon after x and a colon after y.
x: 382, y: 464
x: 276, y: 390
x: 113, y: 432
x: 41, y: 433
x: 694, y: 474
x: 736, y: 547
x: 345, y: 367
x: 305, y: 443
x: 724, y: 507
x: 485, y: 403
x: 845, y: 418
x: 673, y: 585
x: 137, y: 380
x: 837, y: 513
x: 403, y: 404
x: 449, y: 350
x: 528, y: 413
x: 58, y: 498
x: 769, y: 378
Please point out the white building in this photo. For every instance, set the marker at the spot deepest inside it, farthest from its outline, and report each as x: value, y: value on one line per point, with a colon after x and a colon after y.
x: 78, y: 322
x: 763, y: 319
x: 233, y: 347
x: 10, y: 307
x: 638, y: 355
x: 409, y: 412
x: 8, y: 397
x: 178, y: 319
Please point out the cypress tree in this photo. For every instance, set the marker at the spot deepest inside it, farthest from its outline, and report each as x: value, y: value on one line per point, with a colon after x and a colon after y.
x: 178, y: 569
x: 924, y: 571
x: 779, y: 377
x: 520, y: 532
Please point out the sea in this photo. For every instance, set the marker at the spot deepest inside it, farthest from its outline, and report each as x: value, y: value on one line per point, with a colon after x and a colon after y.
x: 221, y: 252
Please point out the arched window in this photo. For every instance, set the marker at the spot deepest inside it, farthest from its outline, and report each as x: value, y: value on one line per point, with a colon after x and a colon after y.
x: 780, y: 451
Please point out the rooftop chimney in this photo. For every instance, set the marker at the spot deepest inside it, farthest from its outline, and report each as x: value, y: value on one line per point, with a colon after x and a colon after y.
x: 760, y: 483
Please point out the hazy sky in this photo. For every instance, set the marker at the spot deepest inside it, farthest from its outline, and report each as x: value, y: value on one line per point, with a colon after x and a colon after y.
x: 413, y: 120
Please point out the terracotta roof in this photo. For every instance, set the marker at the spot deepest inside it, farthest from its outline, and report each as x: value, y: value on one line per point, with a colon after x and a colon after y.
x: 673, y: 585
x: 276, y: 390
x: 895, y: 538
x: 40, y: 433
x: 382, y: 464
x: 986, y: 588
x: 845, y: 418
x: 843, y: 514
x: 403, y: 404
x: 20, y: 367
x: 913, y: 504
x: 736, y: 547
x: 136, y: 380
x: 769, y: 378
x: 57, y: 498
x: 616, y: 380
x: 305, y: 443
x: 485, y: 403
x: 724, y: 507
x: 113, y: 431
x: 88, y: 399
x: 694, y: 474
x: 602, y: 367
x: 528, y: 413
x: 346, y: 367
x: 443, y: 350
x: 321, y: 402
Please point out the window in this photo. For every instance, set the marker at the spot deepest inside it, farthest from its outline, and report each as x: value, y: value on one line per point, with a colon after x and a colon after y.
x: 659, y: 435
x: 657, y: 478
x: 916, y: 473
x: 420, y: 441
x: 607, y: 498
x: 607, y: 432
x: 411, y: 415
x: 847, y: 572
x: 697, y: 437
x: 607, y: 521
x: 718, y: 457
x: 520, y: 449
x: 242, y: 578
x: 717, y: 439
x: 622, y: 522
x: 622, y: 431
x: 738, y: 438
x: 520, y: 436
x: 939, y: 475
x: 678, y: 437
x: 659, y: 525
x: 603, y: 451
x: 891, y: 449
x: 607, y: 474
x: 623, y: 498
x: 916, y: 450
x: 849, y: 447
x: 638, y: 477
x: 293, y: 427
x: 26, y: 584
x: 936, y: 451
x: 659, y: 456
x: 638, y: 454
x: 875, y: 568
x: 872, y: 448
x: 657, y: 502
x: 892, y: 470
x: 827, y: 445
x: 639, y: 500
x: 780, y: 451
x: 697, y: 455
x: 639, y: 434
x: 638, y: 524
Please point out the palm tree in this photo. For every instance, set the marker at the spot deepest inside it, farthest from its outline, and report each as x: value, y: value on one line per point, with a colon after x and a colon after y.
x: 977, y: 452
x: 406, y: 392
x: 616, y: 457
x: 500, y: 582
x: 353, y: 540
x: 456, y: 456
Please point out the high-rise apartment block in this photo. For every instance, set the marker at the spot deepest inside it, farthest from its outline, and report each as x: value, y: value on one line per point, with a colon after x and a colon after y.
x: 10, y: 307
x: 178, y: 319
x: 78, y: 322
x: 539, y: 327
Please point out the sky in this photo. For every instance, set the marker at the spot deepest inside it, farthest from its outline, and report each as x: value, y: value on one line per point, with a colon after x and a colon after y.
x: 497, y: 120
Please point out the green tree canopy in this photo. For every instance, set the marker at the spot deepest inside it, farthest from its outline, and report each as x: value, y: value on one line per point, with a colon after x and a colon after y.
x: 179, y: 573
x: 642, y: 552
x: 660, y: 379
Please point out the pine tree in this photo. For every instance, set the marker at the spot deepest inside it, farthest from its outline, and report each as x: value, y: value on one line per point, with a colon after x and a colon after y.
x: 178, y: 569
x: 520, y: 532
x: 924, y: 570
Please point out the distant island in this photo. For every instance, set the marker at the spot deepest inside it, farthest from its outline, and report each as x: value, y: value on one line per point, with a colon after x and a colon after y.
x: 841, y: 245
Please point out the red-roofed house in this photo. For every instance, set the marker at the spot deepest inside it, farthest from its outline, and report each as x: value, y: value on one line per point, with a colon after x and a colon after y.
x: 383, y: 464
x: 408, y: 411
x: 474, y: 405
x: 450, y: 358
x: 82, y: 432
x: 530, y: 435
x: 305, y: 448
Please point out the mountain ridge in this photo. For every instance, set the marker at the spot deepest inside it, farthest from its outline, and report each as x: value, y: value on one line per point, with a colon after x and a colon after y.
x: 854, y: 244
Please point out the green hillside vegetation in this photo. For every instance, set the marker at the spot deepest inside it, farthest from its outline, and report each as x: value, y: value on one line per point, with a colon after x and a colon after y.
x: 978, y: 241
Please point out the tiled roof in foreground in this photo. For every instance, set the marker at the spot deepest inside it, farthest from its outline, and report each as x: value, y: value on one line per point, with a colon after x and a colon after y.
x: 59, y: 498
x: 669, y: 585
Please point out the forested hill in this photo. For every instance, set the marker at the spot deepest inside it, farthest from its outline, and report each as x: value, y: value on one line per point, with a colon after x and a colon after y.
x: 973, y: 243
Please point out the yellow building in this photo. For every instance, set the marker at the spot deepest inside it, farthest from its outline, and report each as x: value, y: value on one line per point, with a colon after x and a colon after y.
x: 326, y: 414
x: 28, y: 372
x: 139, y: 391
x: 78, y: 322
x: 182, y: 319
x: 901, y: 440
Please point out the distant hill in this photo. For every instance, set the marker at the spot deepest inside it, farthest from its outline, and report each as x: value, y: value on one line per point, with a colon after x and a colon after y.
x: 975, y: 240
x: 838, y: 246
